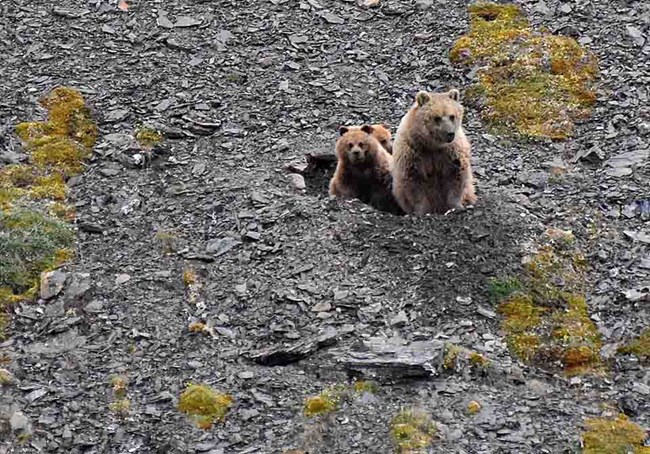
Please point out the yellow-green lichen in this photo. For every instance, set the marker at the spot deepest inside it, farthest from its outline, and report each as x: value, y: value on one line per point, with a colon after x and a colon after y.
x: 473, y: 407
x: 478, y: 360
x: 530, y: 82
x: 639, y: 347
x: 120, y: 407
x: 614, y: 436
x: 189, y: 276
x: 204, y: 406
x: 365, y: 386
x: 412, y: 430
x: 324, y: 403
x: 58, y: 154
x: 33, y: 237
x: 547, y: 321
x: 451, y: 355
x: 148, y: 137
x: 119, y: 384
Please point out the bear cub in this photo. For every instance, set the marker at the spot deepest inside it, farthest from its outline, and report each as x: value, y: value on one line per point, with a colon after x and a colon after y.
x: 383, y: 135
x: 363, y: 169
x: 432, y: 171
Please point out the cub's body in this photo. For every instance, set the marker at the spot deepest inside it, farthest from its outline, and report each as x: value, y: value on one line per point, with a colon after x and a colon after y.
x: 363, y: 169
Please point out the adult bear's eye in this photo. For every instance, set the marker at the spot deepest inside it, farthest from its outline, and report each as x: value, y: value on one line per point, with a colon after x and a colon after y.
x: 452, y: 118
x: 437, y: 119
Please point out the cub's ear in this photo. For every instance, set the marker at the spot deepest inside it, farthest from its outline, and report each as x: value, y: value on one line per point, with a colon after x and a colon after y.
x: 367, y: 129
x: 343, y: 130
x: 454, y: 94
x: 386, y: 125
x: 422, y: 98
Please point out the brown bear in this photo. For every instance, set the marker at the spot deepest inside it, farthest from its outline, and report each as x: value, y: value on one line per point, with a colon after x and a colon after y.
x: 363, y: 169
x: 382, y: 134
x: 432, y: 172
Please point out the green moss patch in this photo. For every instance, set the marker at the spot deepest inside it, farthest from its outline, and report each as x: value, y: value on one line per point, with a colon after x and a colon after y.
x: 612, y: 436
x: 639, y: 347
x: 530, y: 82
x: 34, y: 236
x: 204, y: 406
x: 412, y: 431
x: 547, y: 321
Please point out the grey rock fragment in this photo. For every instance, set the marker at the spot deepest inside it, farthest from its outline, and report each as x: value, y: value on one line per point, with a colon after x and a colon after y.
x: 393, y: 358
x: 52, y: 283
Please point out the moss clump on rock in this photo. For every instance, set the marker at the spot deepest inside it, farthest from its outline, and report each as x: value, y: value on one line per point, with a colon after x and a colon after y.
x: 148, y: 137
x: 365, y: 386
x: 473, y: 407
x: 412, y: 430
x: 530, y: 82
x: 326, y: 402
x: 451, y: 355
x: 612, y: 436
x: 204, y: 406
x: 120, y: 407
x: 547, y: 320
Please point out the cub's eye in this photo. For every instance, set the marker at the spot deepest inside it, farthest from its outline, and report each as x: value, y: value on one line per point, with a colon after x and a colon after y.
x: 437, y: 119
x: 350, y: 146
x: 452, y: 118
x: 360, y: 144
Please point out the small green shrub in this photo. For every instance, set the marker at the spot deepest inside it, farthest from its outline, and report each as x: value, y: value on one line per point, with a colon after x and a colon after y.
x: 30, y: 242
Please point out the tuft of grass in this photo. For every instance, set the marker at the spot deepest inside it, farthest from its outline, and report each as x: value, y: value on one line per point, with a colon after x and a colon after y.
x: 611, y: 436
x: 189, y: 276
x: 326, y: 402
x: 451, y: 355
x: 120, y: 407
x: 412, y: 430
x: 167, y: 241
x: 119, y: 383
x: 478, y: 360
x: 204, y: 405
x: 500, y: 288
x: 365, y: 386
x: 639, y: 347
x: 30, y: 242
x: 148, y: 137
x: 532, y: 83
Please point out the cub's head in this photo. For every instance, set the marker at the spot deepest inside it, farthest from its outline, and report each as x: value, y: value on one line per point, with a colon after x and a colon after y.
x: 356, y: 144
x: 383, y: 136
x: 439, y: 115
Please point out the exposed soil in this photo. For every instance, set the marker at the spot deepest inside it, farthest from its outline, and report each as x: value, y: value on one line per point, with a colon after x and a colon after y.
x: 247, y: 89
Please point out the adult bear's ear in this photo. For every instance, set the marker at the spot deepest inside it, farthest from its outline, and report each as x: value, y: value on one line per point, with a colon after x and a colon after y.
x: 454, y: 94
x: 367, y: 129
x: 422, y: 98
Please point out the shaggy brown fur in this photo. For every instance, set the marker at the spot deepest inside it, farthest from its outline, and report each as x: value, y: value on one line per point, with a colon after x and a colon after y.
x: 381, y: 132
x: 363, y: 169
x: 432, y: 172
